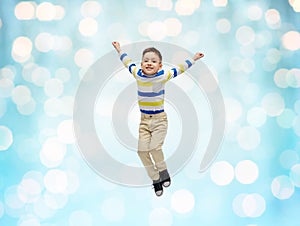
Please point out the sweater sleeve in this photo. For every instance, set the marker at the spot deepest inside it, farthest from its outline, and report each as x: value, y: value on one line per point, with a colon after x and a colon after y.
x: 173, y: 72
x: 128, y: 63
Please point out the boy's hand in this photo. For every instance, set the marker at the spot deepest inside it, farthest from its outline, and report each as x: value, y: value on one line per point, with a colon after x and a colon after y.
x: 198, y: 56
x: 117, y: 46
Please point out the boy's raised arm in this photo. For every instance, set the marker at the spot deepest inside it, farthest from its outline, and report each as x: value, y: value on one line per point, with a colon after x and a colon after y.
x: 126, y: 60
x: 180, y: 68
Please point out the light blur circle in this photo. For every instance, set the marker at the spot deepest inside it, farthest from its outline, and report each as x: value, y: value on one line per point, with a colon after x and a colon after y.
x: 248, y: 138
x: 157, y: 30
x: 44, y: 42
x: 29, y: 190
x: 282, y: 187
x: 237, y: 205
x: 90, y: 9
x: 45, y: 11
x: 11, y: 198
x: 254, y: 12
x: 245, y: 35
x: 6, y: 138
x: 40, y: 75
x: 53, y: 87
x: 291, y: 40
x: 28, y: 108
x: 286, y: 119
x: 254, y: 205
x: 289, y: 158
x: 256, y: 117
x: 84, y: 58
x: 246, y: 172
x: 280, y: 78
x: 25, y: 10
x: 65, y: 132
x: 21, y: 95
x: 56, y: 181
x: 273, y: 104
x: 234, y: 109
x: 22, y: 47
x: 182, y: 201
x: 88, y: 27
x: 55, y: 201
x: 295, y: 175
x: 222, y: 173
x: 6, y: 87
x: 173, y: 27
x: 52, y: 153
x: 223, y: 26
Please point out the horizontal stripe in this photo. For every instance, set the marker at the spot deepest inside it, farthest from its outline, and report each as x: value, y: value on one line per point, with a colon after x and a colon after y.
x: 140, y: 83
x: 130, y: 67
x: 175, y: 72
x: 122, y: 56
x: 151, y: 112
x: 189, y: 63
x: 134, y: 72
x: 151, y: 99
x: 158, y: 103
x: 146, y: 89
x: 181, y: 68
x: 151, y: 94
x: 127, y: 62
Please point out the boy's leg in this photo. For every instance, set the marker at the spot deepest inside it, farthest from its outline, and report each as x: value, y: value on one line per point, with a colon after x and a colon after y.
x: 148, y: 164
x: 153, y: 173
x: 159, y: 160
x: 143, y: 149
x: 158, y: 136
x: 159, y: 132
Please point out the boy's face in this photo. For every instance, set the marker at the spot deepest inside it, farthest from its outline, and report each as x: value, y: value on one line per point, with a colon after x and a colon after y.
x: 151, y: 63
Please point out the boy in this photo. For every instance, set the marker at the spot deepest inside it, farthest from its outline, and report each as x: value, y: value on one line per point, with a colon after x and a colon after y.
x: 151, y: 81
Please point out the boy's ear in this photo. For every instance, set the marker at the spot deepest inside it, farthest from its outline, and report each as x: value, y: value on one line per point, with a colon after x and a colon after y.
x: 160, y: 65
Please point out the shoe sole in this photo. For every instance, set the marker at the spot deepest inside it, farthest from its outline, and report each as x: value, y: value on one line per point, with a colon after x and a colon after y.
x: 166, y: 184
x: 159, y: 194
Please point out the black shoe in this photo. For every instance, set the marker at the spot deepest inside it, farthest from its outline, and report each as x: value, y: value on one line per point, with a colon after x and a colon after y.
x: 167, y: 182
x: 158, y: 188
x: 165, y: 178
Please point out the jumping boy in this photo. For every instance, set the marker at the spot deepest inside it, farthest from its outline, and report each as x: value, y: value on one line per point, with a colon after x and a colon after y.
x: 153, y: 126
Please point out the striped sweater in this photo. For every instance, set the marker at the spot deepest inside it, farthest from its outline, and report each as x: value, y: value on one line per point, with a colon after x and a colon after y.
x: 151, y: 89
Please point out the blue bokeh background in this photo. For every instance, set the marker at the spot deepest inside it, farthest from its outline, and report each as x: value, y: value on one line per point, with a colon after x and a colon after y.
x: 251, y: 47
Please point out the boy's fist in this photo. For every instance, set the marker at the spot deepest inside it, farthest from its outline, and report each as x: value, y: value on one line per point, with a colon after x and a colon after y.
x: 117, y: 46
x: 198, y: 56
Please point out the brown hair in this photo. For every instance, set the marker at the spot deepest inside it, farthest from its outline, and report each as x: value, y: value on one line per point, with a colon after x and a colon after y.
x: 154, y: 50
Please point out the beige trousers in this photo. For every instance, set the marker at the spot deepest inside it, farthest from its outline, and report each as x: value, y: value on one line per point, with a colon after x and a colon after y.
x: 152, y: 133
